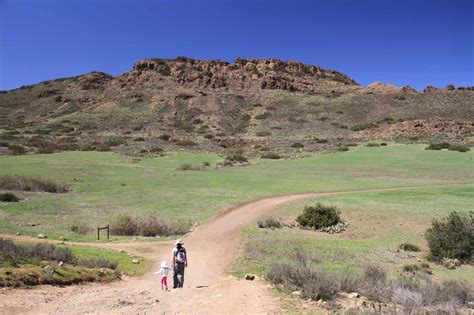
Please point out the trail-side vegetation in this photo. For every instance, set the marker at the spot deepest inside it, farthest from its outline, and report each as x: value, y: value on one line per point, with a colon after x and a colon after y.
x: 26, y: 183
x: 150, y: 226
x: 33, y: 264
x: 299, y: 271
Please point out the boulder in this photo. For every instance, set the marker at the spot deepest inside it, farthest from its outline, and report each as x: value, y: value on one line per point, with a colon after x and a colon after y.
x: 42, y: 236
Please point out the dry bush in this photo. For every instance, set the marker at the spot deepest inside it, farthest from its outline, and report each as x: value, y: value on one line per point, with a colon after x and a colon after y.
x: 188, y: 167
x: 23, y: 183
x: 79, y: 228
x: 148, y: 226
x: 270, y: 223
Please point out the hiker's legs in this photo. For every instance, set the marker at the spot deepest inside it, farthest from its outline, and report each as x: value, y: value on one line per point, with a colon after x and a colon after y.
x: 175, y: 276
x: 163, y: 283
x: 180, y: 275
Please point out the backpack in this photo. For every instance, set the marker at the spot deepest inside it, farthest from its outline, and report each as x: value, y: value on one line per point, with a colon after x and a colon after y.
x: 180, y: 256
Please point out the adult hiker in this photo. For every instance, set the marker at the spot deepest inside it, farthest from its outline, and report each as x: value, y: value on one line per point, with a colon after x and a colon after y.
x: 179, y: 262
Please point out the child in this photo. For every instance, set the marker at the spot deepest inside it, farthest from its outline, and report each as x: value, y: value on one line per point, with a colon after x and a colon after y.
x: 164, y: 273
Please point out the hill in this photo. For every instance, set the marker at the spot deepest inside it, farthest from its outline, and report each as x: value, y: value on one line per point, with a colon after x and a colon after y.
x: 250, y: 105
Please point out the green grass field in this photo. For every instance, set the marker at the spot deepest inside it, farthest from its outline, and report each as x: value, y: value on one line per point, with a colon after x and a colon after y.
x: 378, y: 223
x: 105, y: 184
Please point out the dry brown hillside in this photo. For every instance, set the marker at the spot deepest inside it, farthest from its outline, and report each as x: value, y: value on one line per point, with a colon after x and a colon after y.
x: 250, y: 105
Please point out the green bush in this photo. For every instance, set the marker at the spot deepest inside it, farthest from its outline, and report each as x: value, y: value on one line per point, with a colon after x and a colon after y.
x: 8, y: 197
x: 409, y: 247
x: 156, y: 150
x: 263, y: 116
x: 362, y: 127
x: 263, y: 133
x: 319, y: 216
x: 438, y: 146
x: 372, y: 145
x: 343, y: 149
x: 165, y: 137
x: 452, y: 237
x: 297, y: 145
x: 271, y: 156
x: 186, y: 143
x: 17, y: 149
x: 459, y: 148
x: 236, y: 158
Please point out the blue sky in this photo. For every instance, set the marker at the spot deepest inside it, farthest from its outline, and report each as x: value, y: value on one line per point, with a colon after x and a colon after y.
x: 404, y: 42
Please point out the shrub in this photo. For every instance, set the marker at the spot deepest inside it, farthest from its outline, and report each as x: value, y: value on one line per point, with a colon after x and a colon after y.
x: 198, y: 121
x: 236, y: 158
x: 17, y: 149
x: 297, y: 145
x: 269, y: 223
x: 206, y: 164
x: 263, y: 116
x: 139, y: 139
x: 100, y: 147
x: 452, y: 237
x: 409, y: 247
x: 114, y: 142
x: 352, y: 144
x: 423, y: 267
x: 150, y: 225
x: 153, y: 226
x: 188, y: 167
x: 271, y: 156
x: 98, y: 263
x: 8, y: 197
x: 343, y: 149
x: 165, y: 137
x: 437, y: 146
x: 186, y: 143
x: 321, y: 140
x: 22, y: 183
x: 372, y: 145
x: 209, y: 136
x: 156, y: 150
x: 459, y: 148
x: 319, y: 216
x: 79, y: 228
x: 361, y: 127
x: 124, y: 225
x: 263, y: 133
x: 299, y: 274
x: 383, y: 144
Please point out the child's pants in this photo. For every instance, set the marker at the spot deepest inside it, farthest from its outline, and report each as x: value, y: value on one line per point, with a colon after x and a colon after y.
x: 163, y: 282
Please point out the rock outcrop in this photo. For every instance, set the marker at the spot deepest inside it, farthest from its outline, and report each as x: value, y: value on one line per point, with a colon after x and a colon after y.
x: 241, y: 74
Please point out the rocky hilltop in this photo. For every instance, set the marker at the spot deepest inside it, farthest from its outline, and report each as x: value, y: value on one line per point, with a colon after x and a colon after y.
x: 252, y: 105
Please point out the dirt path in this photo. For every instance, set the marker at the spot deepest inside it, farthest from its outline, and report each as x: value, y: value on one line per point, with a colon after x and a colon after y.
x: 208, y: 289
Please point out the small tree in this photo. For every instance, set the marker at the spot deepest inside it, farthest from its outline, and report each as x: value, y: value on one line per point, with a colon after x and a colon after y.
x: 319, y: 216
x: 452, y: 237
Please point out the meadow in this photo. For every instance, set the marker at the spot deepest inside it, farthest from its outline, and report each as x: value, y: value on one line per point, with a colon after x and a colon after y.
x: 104, y: 184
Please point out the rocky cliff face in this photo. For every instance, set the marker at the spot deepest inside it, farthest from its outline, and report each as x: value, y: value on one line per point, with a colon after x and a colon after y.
x: 248, y: 74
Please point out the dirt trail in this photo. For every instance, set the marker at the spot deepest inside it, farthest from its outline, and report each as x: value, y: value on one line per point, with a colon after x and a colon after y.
x: 208, y: 289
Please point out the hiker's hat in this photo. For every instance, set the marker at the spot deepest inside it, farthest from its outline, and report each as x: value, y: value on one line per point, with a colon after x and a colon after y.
x: 179, y: 242
x: 164, y: 264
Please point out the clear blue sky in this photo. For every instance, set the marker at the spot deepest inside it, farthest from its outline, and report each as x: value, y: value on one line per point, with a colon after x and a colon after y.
x: 404, y: 42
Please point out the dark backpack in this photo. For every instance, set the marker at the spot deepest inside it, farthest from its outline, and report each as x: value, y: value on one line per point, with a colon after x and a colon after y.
x: 180, y: 256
